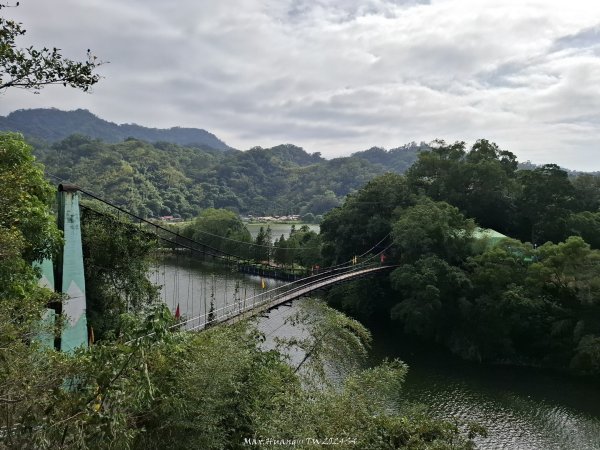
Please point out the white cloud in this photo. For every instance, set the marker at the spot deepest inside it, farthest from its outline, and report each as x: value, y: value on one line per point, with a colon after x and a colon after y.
x: 338, y: 75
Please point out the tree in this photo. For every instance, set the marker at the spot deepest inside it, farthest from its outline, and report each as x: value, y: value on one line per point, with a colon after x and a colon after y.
x: 432, y: 228
x: 282, y: 253
x: 25, y: 196
x: 479, y: 182
x: 587, y: 225
x: 430, y: 290
x: 437, y: 172
x: 31, y: 375
x: 263, y: 245
x: 308, y: 217
x: 333, y: 340
x: 546, y: 200
x: 28, y: 233
x: 587, y: 191
x: 117, y: 260
x: 220, y: 229
x: 308, y: 245
x: 32, y: 68
x: 539, y: 305
x: 364, y: 219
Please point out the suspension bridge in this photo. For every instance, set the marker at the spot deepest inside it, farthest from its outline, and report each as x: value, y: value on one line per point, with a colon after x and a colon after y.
x: 66, y: 273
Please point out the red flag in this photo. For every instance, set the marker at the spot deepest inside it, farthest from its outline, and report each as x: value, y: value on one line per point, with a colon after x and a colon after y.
x: 177, y: 313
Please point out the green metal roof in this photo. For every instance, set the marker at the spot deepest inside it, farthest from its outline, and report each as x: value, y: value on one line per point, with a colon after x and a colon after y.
x: 492, y: 236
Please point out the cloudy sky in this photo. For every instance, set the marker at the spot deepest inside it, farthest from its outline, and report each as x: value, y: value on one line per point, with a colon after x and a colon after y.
x: 337, y: 76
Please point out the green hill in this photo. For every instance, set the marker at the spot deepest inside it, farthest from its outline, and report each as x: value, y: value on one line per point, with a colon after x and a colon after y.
x: 165, y: 178
x: 54, y: 125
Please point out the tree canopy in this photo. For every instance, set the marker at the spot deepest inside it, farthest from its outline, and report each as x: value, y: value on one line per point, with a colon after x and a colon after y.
x: 531, y: 301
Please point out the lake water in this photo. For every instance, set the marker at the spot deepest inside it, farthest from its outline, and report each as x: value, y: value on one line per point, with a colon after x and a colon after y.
x: 521, y: 408
x: 277, y: 229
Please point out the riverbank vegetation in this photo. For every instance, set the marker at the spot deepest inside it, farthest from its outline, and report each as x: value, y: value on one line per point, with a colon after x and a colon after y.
x: 144, y: 384
x: 532, y: 300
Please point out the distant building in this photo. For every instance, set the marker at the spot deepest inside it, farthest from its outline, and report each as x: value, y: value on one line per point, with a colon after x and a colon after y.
x: 170, y: 219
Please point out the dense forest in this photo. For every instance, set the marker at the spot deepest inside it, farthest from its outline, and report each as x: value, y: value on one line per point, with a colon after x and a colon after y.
x: 531, y: 299
x: 160, y: 179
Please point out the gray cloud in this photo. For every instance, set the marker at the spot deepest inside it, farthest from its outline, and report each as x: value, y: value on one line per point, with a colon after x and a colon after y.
x: 588, y: 37
x: 337, y: 75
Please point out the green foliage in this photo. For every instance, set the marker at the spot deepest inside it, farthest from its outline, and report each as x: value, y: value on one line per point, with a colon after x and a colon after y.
x: 25, y: 198
x: 587, y: 225
x: 546, y: 200
x: 155, y: 388
x: 396, y: 159
x: 28, y: 233
x: 534, y: 305
x: 32, y: 68
x: 479, y: 182
x: 364, y: 219
x: 431, y: 290
x: 117, y: 259
x: 367, y: 299
x: 432, y: 228
x: 333, y: 340
x: 152, y: 386
x: 222, y: 230
x: 262, y: 250
x: 505, y: 302
x: 364, y: 413
x: 160, y: 179
x: 569, y: 271
x: 303, y: 247
x: 587, y: 191
x: 533, y: 205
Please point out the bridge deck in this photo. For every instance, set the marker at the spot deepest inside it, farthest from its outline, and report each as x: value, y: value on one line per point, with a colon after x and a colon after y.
x: 300, y: 291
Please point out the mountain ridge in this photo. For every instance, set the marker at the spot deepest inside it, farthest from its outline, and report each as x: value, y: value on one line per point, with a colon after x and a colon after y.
x: 53, y: 125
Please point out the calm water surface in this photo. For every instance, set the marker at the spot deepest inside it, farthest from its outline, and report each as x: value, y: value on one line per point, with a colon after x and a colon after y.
x: 521, y: 408
x: 277, y: 229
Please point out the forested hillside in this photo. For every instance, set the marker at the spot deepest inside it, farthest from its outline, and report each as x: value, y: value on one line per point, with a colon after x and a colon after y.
x: 164, y: 178
x: 530, y: 300
x: 53, y: 125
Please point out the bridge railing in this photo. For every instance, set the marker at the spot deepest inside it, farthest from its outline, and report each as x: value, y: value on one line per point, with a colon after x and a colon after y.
x: 258, y: 301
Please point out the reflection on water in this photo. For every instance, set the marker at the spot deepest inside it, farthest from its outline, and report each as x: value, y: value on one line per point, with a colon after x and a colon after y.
x: 194, y: 285
x: 521, y: 408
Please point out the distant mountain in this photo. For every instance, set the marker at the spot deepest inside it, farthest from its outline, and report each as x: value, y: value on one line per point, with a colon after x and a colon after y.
x: 54, y: 125
x: 394, y: 160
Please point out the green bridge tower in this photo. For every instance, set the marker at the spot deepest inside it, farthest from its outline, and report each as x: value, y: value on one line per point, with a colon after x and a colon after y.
x: 66, y: 275
x: 69, y: 271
